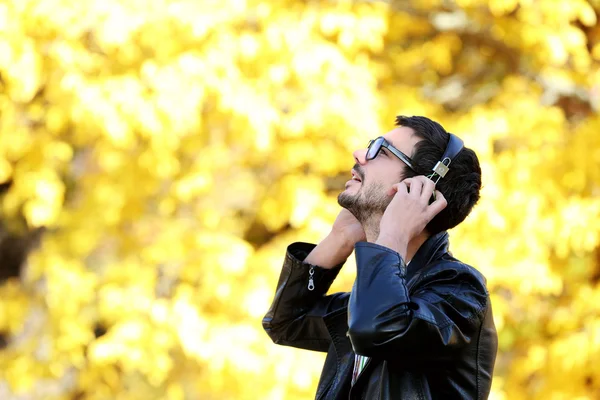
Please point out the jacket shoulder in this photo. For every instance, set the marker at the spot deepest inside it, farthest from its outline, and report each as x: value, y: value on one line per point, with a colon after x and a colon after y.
x: 454, y: 279
x: 450, y: 266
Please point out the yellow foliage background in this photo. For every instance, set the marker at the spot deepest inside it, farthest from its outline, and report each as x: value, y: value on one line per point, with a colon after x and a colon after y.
x: 162, y: 154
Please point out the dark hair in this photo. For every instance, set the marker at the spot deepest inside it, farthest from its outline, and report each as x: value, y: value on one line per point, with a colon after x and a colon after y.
x: 462, y: 183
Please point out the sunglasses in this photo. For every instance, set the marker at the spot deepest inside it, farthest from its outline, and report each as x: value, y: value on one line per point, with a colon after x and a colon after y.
x: 376, y: 145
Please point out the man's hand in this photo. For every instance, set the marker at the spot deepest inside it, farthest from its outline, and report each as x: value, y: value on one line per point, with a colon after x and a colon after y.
x: 339, y: 244
x: 409, y: 212
x: 347, y: 228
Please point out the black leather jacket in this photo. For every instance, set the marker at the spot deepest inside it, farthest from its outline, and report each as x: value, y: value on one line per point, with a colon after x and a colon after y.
x: 428, y: 330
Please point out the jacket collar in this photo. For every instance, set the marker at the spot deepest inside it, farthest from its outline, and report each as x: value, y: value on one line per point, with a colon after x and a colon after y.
x: 433, y: 247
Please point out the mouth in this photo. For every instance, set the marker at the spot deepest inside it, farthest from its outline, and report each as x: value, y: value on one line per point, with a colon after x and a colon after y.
x: 355, y: 176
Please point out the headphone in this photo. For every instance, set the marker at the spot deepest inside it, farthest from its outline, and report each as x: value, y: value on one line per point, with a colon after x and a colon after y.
x: 455, y: 145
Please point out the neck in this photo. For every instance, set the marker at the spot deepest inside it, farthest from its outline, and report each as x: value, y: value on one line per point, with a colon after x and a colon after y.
x: 371, y: 229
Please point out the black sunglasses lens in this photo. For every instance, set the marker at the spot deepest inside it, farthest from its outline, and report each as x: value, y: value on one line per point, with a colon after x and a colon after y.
x: 374, y: 147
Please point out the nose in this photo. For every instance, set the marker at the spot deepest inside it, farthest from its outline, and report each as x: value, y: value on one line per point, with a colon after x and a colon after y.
x: 360, y: 156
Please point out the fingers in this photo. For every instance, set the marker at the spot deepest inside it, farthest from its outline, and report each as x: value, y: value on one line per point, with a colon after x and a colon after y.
x: 438, y: 205
x: 415, y: 185
x: 428, y: 189
x: 421, y: 186
x: 398, y: 187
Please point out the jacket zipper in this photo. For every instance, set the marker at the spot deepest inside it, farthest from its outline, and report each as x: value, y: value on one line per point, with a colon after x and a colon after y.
x: 311, y: 282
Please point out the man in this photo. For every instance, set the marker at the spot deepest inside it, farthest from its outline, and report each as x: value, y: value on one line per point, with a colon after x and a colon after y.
x: 418, y: 323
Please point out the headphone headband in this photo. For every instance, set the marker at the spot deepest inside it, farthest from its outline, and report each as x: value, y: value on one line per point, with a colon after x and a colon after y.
x: 455, y: 145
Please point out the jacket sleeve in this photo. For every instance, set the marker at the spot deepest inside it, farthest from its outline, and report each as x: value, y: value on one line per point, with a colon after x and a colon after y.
x: 295, y: 317
x: 440, y: 316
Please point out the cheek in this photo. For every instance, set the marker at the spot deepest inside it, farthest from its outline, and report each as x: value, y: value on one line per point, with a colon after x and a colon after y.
x: 384, y: 176
x: 376, y: 189
x: 391, y: 178
x: 385, y: 183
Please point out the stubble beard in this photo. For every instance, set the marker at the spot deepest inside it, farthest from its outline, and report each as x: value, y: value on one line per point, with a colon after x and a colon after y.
x: 367, y: 204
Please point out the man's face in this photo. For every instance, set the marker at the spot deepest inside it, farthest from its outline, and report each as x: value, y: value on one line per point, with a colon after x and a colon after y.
x: 369, y: 196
